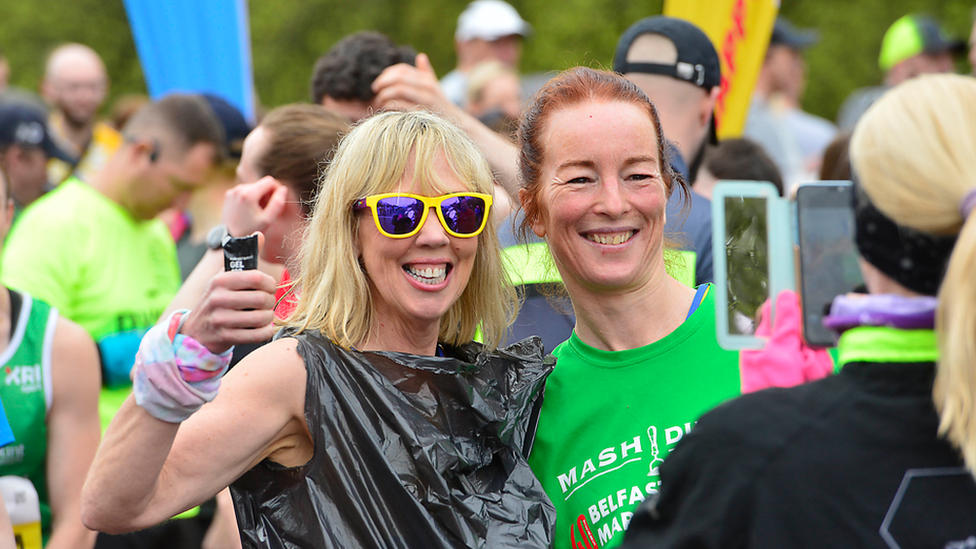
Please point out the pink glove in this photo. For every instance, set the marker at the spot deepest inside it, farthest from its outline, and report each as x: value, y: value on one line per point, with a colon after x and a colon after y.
x: 786, y: 360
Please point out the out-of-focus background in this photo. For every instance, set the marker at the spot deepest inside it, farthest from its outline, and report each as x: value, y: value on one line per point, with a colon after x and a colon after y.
x: 287, y: 36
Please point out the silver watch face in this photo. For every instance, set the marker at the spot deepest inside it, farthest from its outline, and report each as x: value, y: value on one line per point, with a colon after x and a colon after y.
x: 216, y: 236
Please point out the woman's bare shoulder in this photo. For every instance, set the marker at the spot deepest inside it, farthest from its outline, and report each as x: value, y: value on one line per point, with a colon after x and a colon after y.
x: 275, y: 370
x: 283, y: 352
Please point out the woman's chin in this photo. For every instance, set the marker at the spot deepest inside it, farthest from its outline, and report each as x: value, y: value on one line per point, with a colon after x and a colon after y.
x: 613, y: 281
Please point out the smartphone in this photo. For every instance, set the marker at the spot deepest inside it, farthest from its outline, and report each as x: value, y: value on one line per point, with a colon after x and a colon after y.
x: 828, y: 265
x: 747, y: 261
x: 751, y: 241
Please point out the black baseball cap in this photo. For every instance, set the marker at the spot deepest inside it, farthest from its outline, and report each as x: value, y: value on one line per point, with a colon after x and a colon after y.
x: 236, y: 127
x: 785, y: 34
x: 697, y: 59
x: 26, y: 126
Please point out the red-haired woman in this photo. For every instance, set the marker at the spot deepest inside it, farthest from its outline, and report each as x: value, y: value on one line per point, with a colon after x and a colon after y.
x: 643, y: 362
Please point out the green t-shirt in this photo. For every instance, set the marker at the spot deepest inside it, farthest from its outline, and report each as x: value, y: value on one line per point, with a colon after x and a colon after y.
x: 88, y: 257
x: 610, y: 418
x: 25, y: 388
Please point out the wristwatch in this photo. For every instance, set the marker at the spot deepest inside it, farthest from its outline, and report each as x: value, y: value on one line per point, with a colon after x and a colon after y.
x: 217, y: 237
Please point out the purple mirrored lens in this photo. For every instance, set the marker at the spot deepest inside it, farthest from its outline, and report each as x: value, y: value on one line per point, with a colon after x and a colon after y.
x: 399, y: 214
x: 463, y: 214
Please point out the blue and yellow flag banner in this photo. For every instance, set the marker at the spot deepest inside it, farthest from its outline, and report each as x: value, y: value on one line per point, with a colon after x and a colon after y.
x: 740, y: 31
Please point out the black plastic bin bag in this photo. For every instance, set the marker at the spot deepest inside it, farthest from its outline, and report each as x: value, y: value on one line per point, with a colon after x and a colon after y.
x: 410, y: 451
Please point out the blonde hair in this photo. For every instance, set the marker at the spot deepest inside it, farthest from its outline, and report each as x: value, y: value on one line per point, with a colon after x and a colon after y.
x: 483, y: 74
x: 334, y: 294
x: 913, y: 152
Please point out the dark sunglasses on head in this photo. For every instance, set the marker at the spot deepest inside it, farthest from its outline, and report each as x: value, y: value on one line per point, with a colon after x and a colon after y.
x: 399, y: 215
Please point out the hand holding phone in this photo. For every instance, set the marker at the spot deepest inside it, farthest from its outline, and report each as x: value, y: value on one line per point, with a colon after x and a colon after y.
x: 784, y: 361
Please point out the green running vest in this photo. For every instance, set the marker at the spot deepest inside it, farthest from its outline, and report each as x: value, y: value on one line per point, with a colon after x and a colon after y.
x: 25, y: 388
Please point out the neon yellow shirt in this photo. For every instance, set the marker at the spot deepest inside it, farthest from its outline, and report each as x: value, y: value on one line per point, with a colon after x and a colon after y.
x: 112, y: 274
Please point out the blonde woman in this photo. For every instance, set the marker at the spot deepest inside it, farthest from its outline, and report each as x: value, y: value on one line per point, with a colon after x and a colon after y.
x: 373, y: 421
x: 882, y: 454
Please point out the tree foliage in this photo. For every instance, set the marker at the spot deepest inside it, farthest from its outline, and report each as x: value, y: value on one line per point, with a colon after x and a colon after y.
x: 288, y: 36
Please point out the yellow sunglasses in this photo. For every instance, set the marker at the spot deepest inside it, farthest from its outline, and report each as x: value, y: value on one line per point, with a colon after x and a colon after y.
x: 399, y: 215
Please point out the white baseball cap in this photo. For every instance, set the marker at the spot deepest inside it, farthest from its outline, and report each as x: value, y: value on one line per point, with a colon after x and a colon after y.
x: 490, y: 20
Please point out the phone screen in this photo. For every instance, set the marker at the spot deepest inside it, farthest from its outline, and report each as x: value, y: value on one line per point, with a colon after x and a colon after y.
x: 747, y: 261
x: 828, y: 256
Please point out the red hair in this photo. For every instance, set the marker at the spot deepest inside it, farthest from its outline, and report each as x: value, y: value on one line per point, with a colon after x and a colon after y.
x: 574, y: 87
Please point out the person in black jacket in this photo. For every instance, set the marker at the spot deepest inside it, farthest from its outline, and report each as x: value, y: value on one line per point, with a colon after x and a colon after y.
x: 884, y: 453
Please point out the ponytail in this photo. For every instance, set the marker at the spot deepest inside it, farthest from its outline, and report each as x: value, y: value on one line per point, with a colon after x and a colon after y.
x: 955, y: 381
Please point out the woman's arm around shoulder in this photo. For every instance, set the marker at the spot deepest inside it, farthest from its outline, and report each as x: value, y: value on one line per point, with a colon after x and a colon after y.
x: 148, y: 470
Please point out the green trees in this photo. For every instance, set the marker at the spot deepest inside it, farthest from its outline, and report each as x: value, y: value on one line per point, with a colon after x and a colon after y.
x: 288, y: 35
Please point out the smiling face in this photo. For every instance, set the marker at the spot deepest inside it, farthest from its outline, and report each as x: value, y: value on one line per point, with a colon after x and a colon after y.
x: 414, y: 281
x: 602, y: 200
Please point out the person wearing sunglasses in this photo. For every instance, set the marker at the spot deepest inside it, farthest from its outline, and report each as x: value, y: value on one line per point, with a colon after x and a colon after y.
x: 372, y: 420
x: 643, y: 361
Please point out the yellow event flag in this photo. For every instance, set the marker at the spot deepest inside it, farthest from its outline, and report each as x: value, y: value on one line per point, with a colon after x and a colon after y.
x: 740, y: 31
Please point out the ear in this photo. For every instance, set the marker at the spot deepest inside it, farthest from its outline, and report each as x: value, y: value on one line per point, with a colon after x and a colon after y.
x: 107, y: 89
x: 536, y: 223
x: 9, y: 219
x: 142, y: 148
x: 15, y: 155
x: 47, y: 91
x: 708, y: 105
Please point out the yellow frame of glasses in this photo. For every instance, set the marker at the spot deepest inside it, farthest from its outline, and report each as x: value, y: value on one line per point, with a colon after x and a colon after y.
x: 428, y: 202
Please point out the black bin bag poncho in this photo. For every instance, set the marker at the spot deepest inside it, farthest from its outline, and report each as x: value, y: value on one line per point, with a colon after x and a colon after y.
x: 410, y: 451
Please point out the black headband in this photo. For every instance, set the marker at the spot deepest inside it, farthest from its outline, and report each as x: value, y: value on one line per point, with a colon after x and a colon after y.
x: 914, y: 259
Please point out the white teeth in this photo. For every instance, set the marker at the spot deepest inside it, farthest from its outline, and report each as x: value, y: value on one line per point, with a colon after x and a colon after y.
x: 430, y: 275
x: 618, y: 238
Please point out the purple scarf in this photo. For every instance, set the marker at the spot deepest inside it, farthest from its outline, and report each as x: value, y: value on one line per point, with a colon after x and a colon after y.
x: 895, y: 311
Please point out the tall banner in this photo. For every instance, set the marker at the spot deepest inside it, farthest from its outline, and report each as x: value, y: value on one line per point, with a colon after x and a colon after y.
x: 740, y: 31
x: 195, y: 46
